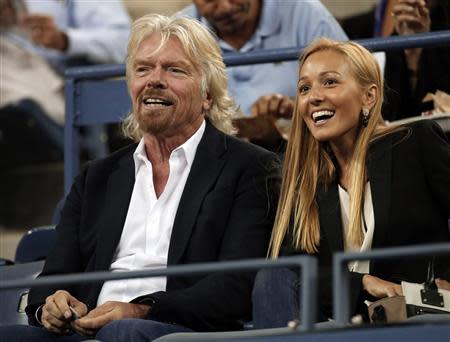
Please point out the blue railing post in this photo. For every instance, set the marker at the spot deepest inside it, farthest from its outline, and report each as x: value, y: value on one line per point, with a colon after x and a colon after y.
x: 341, y: 276
x: 71, y: 139
x: 306, y: 264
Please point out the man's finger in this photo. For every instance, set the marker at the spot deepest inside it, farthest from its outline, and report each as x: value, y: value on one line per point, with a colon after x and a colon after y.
x: 95, y: 323
x: 62, y: 303
x: 51, y: 308
x: 80, y: 308
x: 263, y: 106
x: 273, y: 106
x: 48, y: 323
x: 51, y: 319
x: 286, y: 108
x: 82, y: 331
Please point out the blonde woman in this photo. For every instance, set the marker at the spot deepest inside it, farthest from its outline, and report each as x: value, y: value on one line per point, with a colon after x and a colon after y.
x: 351, y: 183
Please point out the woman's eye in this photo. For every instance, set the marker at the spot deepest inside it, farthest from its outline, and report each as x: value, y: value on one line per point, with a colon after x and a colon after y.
x: 303, y: 89
x: 330, y: 81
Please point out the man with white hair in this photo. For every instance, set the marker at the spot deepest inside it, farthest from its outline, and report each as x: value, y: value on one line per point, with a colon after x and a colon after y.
x: 186, y: 192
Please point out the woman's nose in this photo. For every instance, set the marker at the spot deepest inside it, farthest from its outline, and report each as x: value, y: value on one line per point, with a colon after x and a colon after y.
x: 315, y: 95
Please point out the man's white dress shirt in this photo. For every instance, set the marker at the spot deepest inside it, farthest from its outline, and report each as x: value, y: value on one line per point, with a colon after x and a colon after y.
x: 145, y: 239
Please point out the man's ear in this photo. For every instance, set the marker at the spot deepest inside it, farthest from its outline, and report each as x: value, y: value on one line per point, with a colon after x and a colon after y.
x: 370, y: 96
x: 207, y: 102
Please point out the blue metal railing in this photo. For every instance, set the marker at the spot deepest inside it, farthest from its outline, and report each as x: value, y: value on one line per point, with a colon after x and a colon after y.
x: 341, y: 275
x: 307, y: 265
x: 428, y: 39
x: 82, y: 82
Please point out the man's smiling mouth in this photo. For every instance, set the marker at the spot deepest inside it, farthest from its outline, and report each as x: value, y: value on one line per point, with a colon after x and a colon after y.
x: 156, y: 102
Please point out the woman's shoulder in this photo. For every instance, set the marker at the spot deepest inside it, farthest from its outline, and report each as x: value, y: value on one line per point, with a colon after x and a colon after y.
x: 413, y: 132
x: 425, y: 131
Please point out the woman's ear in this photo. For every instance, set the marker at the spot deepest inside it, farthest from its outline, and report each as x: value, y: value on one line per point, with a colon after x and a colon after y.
x: 370, y: 97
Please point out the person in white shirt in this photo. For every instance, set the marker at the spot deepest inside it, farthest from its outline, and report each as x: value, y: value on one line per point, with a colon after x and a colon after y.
x: 185, y: 192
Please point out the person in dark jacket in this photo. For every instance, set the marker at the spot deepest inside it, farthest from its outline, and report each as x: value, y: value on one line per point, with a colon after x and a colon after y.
x: 350, y: 183
x: 186, y: 192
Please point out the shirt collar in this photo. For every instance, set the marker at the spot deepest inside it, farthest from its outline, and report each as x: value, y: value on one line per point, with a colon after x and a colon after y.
x: 188, y: 149
x: 190, y: 146
x: 269, y: 21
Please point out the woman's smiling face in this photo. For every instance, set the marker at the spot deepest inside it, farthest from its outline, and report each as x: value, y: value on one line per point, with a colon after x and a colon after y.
x: 330, y: 99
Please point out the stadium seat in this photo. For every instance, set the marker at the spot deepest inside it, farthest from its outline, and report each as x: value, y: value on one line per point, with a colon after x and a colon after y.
x: 35, y: 244
x: 14, y: 301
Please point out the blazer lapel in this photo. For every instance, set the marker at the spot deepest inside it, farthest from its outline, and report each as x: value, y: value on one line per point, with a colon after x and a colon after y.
x: 204, y: 171
x: 379, y: 166
x: 330, y: 217
x: 118, y: 196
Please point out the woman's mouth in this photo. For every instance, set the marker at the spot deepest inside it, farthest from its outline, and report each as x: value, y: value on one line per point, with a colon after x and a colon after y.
x: 322, y: 116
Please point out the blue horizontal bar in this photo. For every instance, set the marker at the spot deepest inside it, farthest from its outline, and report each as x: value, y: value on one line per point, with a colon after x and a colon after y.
x: 395, y: 252
x: 176, y: 270
x: 307, y: 292
x: 428, y: 39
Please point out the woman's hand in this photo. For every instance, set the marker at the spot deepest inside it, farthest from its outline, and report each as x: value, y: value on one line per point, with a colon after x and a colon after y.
x: 380, y: 288
x: 442, y: 284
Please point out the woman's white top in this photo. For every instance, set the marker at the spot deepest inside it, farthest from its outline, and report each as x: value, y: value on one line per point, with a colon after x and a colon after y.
x: 367, y: 222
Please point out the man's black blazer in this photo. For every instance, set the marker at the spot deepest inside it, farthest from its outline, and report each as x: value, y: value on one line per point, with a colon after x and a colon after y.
x: 225, y: 213
x: 409, y: 174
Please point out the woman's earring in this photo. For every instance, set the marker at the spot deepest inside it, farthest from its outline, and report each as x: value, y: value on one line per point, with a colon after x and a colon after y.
x: 365, y: 115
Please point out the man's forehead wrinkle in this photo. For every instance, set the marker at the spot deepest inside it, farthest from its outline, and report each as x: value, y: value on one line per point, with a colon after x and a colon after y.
x: 166, y: 61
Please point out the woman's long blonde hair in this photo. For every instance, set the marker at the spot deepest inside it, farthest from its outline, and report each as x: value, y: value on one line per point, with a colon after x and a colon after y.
x: 309, y: 163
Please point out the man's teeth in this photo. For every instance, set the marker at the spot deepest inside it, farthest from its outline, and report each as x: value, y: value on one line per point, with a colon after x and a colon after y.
x: 152, y: 101
x: 322, y: 115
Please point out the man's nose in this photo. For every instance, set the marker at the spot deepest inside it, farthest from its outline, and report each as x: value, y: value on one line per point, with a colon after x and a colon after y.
x: 223, y: 6
x: 156, y: 79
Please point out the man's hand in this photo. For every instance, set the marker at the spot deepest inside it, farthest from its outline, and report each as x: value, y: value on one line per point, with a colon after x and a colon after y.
x: 276, y: 105
x: 8, y: 16
x: 411, y: 16
x: 56, y: 312
x: 45, y: 32
x: 106, y: 313
x: 380, y: 288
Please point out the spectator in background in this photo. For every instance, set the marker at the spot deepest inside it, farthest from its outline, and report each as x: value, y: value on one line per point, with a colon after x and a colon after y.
x: 186, y: 193
x: 61, y: 34
x: 412, y: 73
x: 76, y: 32
x: 254, y: 25
x: 39, y: 40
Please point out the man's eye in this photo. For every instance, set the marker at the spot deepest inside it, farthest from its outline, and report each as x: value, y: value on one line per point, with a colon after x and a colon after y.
x: 177, y: 70
x: 141, y: 69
